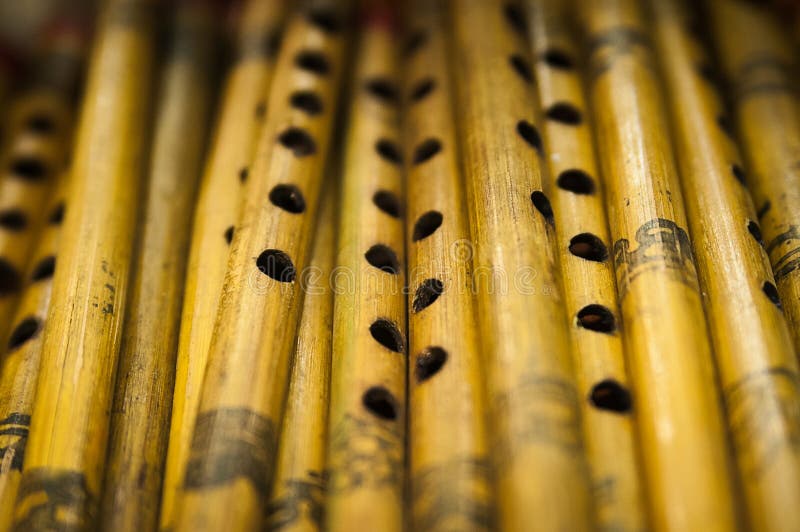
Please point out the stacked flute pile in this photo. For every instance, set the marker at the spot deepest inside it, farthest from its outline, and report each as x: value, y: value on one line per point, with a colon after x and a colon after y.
x: 440, y: 265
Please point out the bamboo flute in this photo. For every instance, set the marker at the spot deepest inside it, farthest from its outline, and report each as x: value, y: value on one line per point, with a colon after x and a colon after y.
x: 449, y: 468
x: 754, y: 352
x: 232, y: 456
x: 542, y: 475
x: 145, y: 376
x: 685, y: 455
x: 368, y: 383
x: 575, y: 187
x: 35, y: 148
x: 764, y: 97
x: 65, y: 454
x: 300, y: 467
x: 22, y: 355
x: 243, y: 105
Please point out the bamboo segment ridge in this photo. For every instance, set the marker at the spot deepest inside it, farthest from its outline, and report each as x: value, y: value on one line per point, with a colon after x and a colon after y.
x: 532, y: 397
x: 753, y: 346
x: 368, y: 376
x: 241, y: 115
x: 449, y: 467
x: 140, y: 416
x: 23, y: 352
x: 684, y: 447
x: 761, y: 73
x: 65, y: 454
x: 575, y: 188
x: 232, y: 455
x: 300, y: 467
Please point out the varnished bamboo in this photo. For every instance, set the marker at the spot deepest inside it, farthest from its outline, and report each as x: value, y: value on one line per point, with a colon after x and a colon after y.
x: 65, y: 455
x: 368, y: 383
x: 685, y: 456
x: 575, y: 187
x: 754, y: 351
x: 243, y: 105
x: 297, y: 502
x: 761, y: 76
x: 37, y: 138
x: 232, y: 455
x: 140, y: 417
x: 537, y: 450
x: 22, y: 355
x: 449, y: 471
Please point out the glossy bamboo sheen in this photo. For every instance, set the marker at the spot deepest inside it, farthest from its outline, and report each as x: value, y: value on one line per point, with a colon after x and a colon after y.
x: 754, y: 351
x: 678, y: 414
x: 761, y: 73
x: 297, y: 502
x: 448, y: 464
x: 140, y: 417
x: 541, y: 472
x: 575, y: 187
x: 232, y: 456
x: 368, y: 383
x: 241, y: 115
x: 22, y: 355
x: 65, y: 454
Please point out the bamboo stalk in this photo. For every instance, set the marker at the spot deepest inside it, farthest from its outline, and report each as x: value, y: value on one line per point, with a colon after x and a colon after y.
x: 754, y: 351
x: 368, y: 384
x: 230, y: 465
x: 38, y: 136
x: 240, y: 118
x: 680, y: 427
x: 576, y: 190
x: 300, y: 468
x: 449, y: 467
x: 145, y: 377
x: 23, y: 350
x: 65, y: 454
x: 760, y: 71
x: 542, y: 476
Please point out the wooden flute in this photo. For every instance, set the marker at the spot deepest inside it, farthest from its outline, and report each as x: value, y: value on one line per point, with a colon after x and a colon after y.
x: 65, y: 454
x: 575, y: 188
x: 241, y: 115
x: 537, y: 449
x: 368, y: 375
x: 23, y: 352
x: 685, y: 454
x: 761, y: 77
x: 757, y: 365
x: 145, y: 375
x: 231, y: 460
x: 38, y: 137
x: 449, y: 471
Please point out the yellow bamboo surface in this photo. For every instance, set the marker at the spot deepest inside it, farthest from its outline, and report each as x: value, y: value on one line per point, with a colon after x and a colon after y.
x: 22, y: 355
x: 575, y: 187
x: 368, y: 382
x: 449, y: 468
x: 243, y: 105
x: 232, y: 455
x: 140, y: 417
x: 542, y: 475
x: 65, y: 455
x: 761, y: 76
x: 297, y: 502
x: 37, y: 138
x: 754, y: 351
x: 678, y: 415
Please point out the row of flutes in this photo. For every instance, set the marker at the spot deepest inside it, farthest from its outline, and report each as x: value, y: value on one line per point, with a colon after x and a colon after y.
x: 385, y: 266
